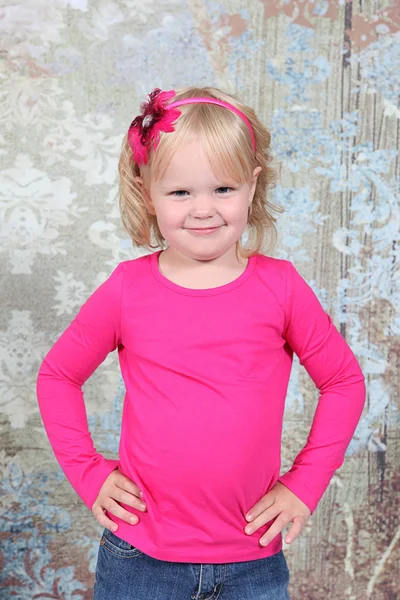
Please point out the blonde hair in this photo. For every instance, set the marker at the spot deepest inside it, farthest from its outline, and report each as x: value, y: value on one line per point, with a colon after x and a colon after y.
x: 228, y: 147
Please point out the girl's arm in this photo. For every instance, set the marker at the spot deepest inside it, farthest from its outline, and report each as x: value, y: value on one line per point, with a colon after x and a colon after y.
x: 81, y: 348
x: 333, y: 367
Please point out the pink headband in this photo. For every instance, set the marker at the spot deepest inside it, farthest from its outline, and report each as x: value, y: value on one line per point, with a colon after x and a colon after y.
x: 158, y: 116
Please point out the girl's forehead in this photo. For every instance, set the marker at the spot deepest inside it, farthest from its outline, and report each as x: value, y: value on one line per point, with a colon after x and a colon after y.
x: 201, y: 179
x: 191, y: 164
x: 189, y: 171
x: 189, y: 168
x: 192, y: 153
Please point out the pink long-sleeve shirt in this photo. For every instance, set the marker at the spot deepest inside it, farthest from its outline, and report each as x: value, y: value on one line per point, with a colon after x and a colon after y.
x: 206, y: 373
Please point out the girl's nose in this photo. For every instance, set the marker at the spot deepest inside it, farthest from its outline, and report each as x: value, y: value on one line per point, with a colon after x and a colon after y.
x: 204, y: 204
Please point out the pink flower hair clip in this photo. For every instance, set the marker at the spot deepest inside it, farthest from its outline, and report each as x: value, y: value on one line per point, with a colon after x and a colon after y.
x: 158, y: 115
x: 146, y: 127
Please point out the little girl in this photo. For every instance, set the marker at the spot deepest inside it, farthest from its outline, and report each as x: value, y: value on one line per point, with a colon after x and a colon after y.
x: 205, y: 330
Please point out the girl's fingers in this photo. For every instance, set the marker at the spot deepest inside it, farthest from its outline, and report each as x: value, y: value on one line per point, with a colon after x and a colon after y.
x: 262, y: 506
x: 294, y: 530
x: 275, y: 528
x: 265, y: 517
x: 120, y: 512
x: 128, y: 498
x: 124, y: 483
x: 103, y: 520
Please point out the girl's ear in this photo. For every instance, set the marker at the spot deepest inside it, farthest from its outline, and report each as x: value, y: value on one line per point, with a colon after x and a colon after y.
x: 140, y: 182
x: 145, y: 194
x: 256, y: 173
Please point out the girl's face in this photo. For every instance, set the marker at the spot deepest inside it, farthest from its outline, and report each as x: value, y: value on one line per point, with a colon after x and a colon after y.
x: 190, y: 197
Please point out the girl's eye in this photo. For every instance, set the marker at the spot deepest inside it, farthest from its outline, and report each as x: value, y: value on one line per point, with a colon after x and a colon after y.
x: 184, y: 191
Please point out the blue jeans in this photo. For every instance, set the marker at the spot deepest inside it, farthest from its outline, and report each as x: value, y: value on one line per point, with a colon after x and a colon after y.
x: 125, y: 573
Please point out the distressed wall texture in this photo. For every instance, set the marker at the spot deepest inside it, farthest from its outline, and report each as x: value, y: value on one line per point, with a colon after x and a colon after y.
x: 324, y: 76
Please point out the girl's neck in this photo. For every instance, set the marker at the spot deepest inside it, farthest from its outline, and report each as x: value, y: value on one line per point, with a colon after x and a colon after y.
x: 191, y: 273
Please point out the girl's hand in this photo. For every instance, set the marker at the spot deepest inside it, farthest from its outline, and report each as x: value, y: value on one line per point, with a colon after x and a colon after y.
x: 117, y: 487
x: 282, y: 503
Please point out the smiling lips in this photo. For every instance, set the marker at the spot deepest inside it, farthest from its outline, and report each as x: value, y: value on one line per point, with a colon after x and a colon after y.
x: 204, y: 231
x: 203, y: 228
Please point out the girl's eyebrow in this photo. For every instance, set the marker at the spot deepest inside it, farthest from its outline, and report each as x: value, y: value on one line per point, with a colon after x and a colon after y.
x: 178, y: 186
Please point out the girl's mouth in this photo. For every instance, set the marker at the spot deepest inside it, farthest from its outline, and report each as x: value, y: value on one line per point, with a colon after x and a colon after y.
x: 204, y: 230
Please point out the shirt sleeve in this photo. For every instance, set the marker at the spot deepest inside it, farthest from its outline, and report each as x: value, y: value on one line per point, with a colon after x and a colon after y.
x: 333, y: 367
x: 81, y: 348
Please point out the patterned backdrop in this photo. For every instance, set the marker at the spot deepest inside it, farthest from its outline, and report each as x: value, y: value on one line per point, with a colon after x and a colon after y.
x: 324, y: 76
